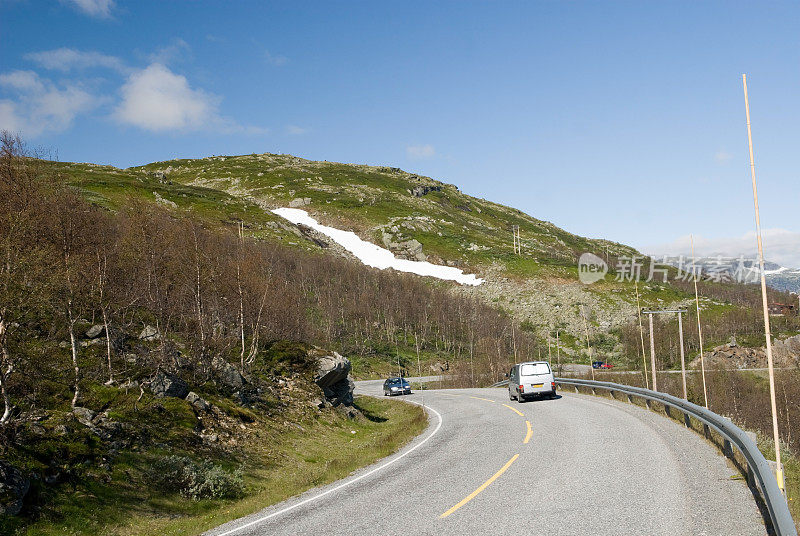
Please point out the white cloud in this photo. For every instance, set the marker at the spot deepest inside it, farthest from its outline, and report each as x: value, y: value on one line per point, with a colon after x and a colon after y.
x: 275, y: 59
x: 40, y: 105
x: 159, y: 100
x: 420, y: 152
x: 780, y: 246
x: 168, y: 54
x: 27, y: 81
x: 296, y: 131
x: 100, y: 9
x: 8, y: 117
x: 66, y: 59
x: 722, y: 156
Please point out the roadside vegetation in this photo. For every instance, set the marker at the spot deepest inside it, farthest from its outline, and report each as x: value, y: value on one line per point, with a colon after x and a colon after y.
x: 187, y: 492
x: 140, y: 339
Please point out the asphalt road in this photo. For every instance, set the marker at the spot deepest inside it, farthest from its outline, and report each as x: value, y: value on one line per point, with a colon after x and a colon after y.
x: 590, y: 466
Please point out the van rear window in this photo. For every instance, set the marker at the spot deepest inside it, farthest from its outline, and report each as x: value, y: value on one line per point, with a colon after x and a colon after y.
x: 535, y: 368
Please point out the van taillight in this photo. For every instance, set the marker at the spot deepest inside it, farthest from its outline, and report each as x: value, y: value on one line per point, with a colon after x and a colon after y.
x: 521, y: 387
x: 553, y: 385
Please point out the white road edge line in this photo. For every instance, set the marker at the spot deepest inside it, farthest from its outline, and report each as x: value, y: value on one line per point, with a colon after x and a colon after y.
x: 344, y: 484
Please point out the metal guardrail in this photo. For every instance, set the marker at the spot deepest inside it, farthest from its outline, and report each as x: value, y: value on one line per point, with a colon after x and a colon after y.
x: 759, y: 469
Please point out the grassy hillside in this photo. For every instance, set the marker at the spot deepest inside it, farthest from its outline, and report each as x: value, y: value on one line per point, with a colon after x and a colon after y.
x: 393, y: 208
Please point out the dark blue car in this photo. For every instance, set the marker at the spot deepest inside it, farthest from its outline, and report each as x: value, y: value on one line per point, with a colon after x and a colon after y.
x: 396, y: 386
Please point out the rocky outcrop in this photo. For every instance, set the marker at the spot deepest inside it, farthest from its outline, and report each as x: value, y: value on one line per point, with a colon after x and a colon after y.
x: 199, y: 404
x: 14, y: 485
x: 149, y: 333
x: 95, y: 331
x: 424, y: 189
x: 410, y: 249
x: 228, y: 375
x: 99, y: 424
x: 333, y: 376
x: 299, y: 202
x: 85, y: 416
x: 785, y: 353
x: 164, y: 384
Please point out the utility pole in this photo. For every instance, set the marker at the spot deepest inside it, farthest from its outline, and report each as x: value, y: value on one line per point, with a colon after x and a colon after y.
x: 588, y: 347
x: 558, y: 354
x: 683, y: 360
x: 699, y: 328
x: 650, y: 313
x: 517, y: 240
x: 767, y: 334
x: 641, y: 334
x: 653, y: 354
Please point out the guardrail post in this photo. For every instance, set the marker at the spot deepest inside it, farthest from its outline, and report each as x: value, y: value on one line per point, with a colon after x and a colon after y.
x: 706, y: 431
x: 727, y: 449
x: 630, y: 399
x: 576, y: 389
x: 667, y: 411
x: 687, y: 421
x: 647, y: 403
x: 593, y: 391
x: 612, y: 394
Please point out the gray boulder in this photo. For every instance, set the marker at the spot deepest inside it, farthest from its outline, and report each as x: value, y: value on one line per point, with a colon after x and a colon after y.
x: 164, y: 384
x: 300, y: 202
x: 85, y: 416
x: 228, y: 375
x: 331, y: 369
x: 106, y: 428
x: 333, y: 376
x: 419, y: 191
x: 149, y: 333
x: 14, y: 485
x: 95, y: 331
x: 199, y: 403
x: 341, y: 393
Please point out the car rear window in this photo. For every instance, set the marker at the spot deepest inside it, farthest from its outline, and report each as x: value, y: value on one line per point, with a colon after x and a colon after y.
x: 534, y: 368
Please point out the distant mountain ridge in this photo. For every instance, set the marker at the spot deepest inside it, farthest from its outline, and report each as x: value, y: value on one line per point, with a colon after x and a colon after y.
x: 745, y: 270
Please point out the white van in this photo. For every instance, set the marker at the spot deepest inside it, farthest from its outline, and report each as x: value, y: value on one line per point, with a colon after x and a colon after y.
x: 529, y: 379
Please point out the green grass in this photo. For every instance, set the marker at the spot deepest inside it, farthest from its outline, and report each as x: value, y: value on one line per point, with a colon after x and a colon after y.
x: 277, y: 463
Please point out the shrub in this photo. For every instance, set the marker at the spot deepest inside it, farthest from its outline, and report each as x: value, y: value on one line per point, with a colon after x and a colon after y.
x: 196, y: 480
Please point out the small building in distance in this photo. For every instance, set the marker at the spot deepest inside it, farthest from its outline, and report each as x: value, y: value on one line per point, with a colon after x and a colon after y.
x: 782, y: 309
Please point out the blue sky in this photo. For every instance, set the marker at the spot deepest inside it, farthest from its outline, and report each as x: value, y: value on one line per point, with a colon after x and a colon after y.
x: 619, y: 120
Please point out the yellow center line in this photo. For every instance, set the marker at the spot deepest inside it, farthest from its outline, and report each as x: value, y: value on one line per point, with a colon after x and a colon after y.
x: 515, y: 410
x: 529, y: 434
x: 481, y: 488
x: 479, y: 398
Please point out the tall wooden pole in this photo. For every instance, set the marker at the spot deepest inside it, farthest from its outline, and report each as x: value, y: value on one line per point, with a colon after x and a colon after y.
x: 683, y: 359
x: 764, y: 304
x: 641, y: 334
x: 588, y: 347
x: 558, y: 353
x: 699, y: 329
x: 653, y: 353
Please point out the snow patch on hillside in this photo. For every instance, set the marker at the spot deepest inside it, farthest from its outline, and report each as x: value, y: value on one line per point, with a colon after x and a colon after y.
x: 376, y: 256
